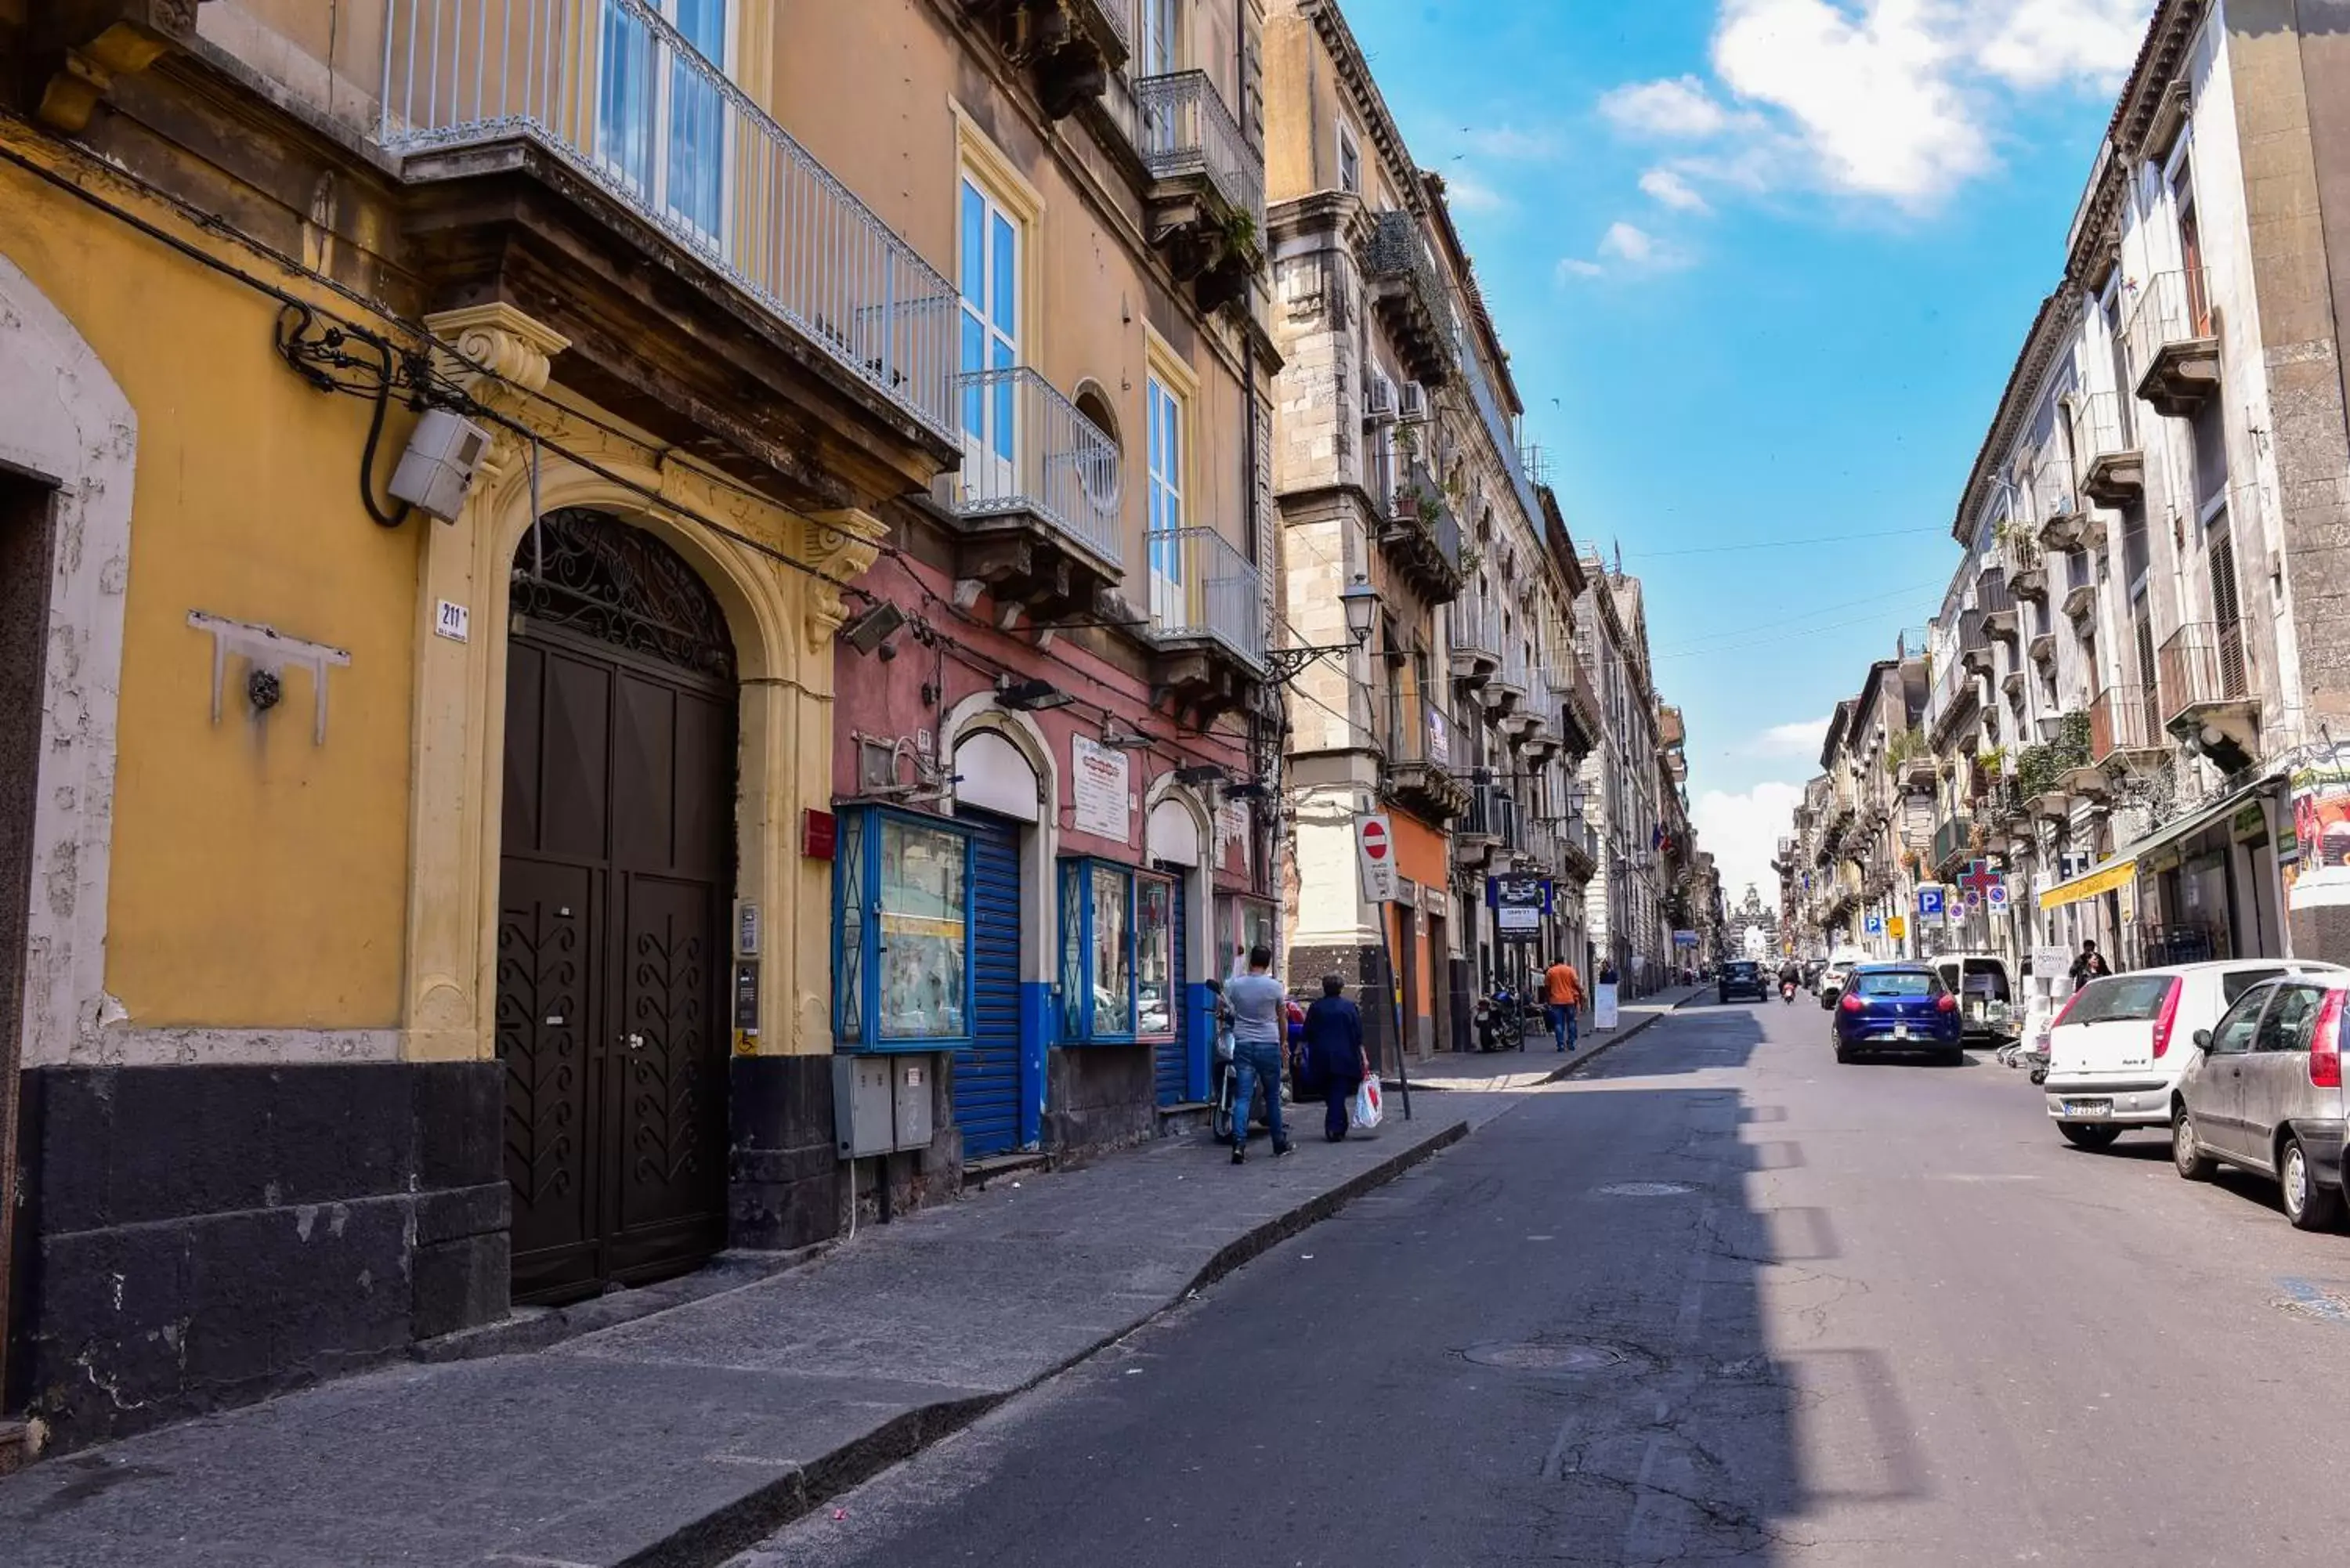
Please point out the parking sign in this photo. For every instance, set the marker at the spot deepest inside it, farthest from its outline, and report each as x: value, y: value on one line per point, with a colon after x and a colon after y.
x: 1930, y: 905
x: 1874, y: 924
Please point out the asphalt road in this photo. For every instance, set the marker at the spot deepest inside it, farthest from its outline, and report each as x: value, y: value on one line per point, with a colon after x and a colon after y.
x: 1721, y: 1301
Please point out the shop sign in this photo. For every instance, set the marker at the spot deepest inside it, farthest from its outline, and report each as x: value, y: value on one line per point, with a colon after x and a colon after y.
x: 1519, y: 904
x: 1101, y: 779
x: 2317, y: 872
x: 1440, y: 739
x: 1232, y: 830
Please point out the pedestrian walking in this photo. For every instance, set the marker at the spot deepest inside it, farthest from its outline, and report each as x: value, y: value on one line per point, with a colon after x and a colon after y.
x: 1260, y: 1019
x: 2091, y: 965
x: 1336, y: 1062
x: 1563, y: 995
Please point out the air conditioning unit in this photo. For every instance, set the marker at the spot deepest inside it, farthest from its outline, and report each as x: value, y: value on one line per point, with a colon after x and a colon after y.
x: 1415, y: 400
x: 1379, y: 397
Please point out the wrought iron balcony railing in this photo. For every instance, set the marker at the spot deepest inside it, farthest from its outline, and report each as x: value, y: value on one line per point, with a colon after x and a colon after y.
x: 2173, y: 308
x: 1187, y: 131
x: 1204, y: 589
x: 613, y: 90
x: 2202, y: 664
x: 2118, y: 723
x: 1026, y: 448
x: 2105, y: 426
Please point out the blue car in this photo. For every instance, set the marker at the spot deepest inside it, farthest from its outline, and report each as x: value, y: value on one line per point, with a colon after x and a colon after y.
x: 1901, y: 1007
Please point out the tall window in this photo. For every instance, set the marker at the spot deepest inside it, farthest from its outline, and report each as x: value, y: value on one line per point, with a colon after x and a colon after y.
x: 1162, y: 38
x: 661, y: 117
x: 988, y: 240
x: 1166, y: 415
x: 1350, y: 160
x: 2190, y: 247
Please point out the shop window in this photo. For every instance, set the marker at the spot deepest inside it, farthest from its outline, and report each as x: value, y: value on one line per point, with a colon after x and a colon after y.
x: 901, y: 925
x: 1241, y: 924
x: 1118, y: 954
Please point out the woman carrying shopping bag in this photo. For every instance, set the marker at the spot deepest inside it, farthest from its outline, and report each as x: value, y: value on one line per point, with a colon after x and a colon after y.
x: 1336, y: 1063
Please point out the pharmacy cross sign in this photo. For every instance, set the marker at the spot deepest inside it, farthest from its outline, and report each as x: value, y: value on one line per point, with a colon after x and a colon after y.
x: 1979, y: 880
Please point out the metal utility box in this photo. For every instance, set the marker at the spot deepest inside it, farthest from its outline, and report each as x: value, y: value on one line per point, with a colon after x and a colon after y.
x: 864, y: 1119
x: 910, y: 1084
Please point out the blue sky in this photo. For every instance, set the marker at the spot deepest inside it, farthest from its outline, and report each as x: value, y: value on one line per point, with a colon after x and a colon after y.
x: 1762, y: 268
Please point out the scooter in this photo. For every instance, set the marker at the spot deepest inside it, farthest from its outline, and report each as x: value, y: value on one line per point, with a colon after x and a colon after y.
x: 1501, y: 1021
x: 1787, y: 990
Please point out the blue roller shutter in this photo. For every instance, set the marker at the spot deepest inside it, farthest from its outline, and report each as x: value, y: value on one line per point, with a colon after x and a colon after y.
x: 1172, y: 1066
x: 987, y: 1072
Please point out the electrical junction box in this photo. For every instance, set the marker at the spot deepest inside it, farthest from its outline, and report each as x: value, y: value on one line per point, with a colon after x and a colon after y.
x: 438, y: 467
x: 910, y: 1084
x: 863, y: 1111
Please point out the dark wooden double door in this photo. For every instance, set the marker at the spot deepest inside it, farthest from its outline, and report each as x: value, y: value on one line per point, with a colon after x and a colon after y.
x: 615, y: 882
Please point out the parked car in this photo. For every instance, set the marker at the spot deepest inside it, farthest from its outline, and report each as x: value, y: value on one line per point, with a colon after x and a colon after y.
x: 2117, y: 1051
x: 1986, y: 999
x: 1832, y: 980
x: 2263, y: 1093
x: 1901, y: 1007
x: 1744, y: 977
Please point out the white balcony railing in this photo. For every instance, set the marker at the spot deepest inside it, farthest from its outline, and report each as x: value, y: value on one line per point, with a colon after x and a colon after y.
x: 2174, y: 307
x: 1203, y: 589
x: 1474, y: 625
x: 1026, y: 448
x: 615, y: 91
x: 1185, y: 130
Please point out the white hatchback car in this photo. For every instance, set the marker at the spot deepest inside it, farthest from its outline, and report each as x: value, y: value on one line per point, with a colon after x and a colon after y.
x: 2117, y: 1051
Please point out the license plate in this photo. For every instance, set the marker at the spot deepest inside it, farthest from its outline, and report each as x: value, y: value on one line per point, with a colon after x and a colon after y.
x: 2088, y: 1107
x: 1901, y: 1032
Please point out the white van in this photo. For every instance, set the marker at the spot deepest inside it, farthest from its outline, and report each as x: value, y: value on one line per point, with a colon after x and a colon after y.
x: 1986, y: 997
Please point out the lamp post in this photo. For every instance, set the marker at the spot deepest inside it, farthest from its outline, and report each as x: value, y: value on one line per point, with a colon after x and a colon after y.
x: 1361, y: 603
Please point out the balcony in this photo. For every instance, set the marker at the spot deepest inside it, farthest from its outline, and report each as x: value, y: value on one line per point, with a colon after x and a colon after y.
x: 1953, y: 841
x: 1418, y: 772
x: 2122, y: 736
x: 2025, y: 567
x: 1511, y: 683
x: 1997, y: 604
x: 1578, y: 850
x: 1488, y: 827
x: 2056, y: 498
x: 533, y: 133
x: 2208, y: 700
x: 1068, y: 47
x: 1408, y: 294
x: 1976, y: 655
x: 1207, y: 616
x: 1207, y: 190
x: 1417, y: 529
x: 1576, y: 703
x: 2174, y: 342
x: 1475, y: 629
x: 1036, y: 499
x: 2105, y: 438
x: 2080, y: 586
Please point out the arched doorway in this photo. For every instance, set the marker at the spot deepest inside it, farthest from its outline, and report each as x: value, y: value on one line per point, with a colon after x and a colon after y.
x: 616, y: 870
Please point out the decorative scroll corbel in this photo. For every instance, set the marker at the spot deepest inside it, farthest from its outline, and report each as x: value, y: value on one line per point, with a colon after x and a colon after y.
x: 91, y: 42
x: 843, y: 545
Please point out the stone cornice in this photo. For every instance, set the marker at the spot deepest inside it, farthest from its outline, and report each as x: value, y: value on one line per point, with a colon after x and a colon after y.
x: 1355, y: 75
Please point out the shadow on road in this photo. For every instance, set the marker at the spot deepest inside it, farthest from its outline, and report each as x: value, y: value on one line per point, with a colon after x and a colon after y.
x: 1548, y: 1346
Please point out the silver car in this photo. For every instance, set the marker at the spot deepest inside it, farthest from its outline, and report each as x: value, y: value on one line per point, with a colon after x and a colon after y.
x: 2265, y: 1094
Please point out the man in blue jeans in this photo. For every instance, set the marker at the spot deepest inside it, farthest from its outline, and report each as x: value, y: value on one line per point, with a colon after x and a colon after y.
x: 1563, y: 995
x: 1260, y: 1019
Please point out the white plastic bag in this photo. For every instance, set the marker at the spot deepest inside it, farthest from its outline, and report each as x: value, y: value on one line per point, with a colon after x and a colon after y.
x: 1366, y: 1110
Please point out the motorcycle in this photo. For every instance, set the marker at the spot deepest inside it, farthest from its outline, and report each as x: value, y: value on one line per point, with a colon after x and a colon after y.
x: 1501, y: 1021
x: 1787, y: 990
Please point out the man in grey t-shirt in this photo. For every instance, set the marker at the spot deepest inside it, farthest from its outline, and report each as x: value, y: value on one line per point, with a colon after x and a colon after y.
x: 1260, y: 1020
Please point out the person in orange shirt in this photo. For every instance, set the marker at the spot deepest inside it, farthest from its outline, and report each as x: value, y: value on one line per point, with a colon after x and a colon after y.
x: 1562, y: 993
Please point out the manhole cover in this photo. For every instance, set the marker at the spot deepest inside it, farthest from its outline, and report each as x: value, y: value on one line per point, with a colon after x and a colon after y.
x: 1647, y: 1189
x: 1547, y: 1357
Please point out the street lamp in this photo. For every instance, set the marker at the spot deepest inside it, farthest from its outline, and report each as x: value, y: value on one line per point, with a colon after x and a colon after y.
x: 1361, y: 603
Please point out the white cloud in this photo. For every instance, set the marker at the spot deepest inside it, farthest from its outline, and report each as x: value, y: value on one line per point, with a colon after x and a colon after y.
x: 1899, y: 100
x: 1469, y: 195
x: 1668, y: 187
x: 1515, y: 144
x: 1743, y: 833
x: 1681, y: 107
x: 1629, y: 250
x: 1800, y: 738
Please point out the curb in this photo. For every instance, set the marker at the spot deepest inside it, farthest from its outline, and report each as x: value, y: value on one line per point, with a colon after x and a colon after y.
x: 744, y: 1523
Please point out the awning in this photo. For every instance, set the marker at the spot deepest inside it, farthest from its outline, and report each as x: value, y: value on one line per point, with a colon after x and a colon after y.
x: 2120, y: 868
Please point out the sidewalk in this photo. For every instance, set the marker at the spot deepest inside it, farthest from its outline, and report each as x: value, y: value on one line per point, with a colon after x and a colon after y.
x: 1503, y: 1071
x: 683, y: 1436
